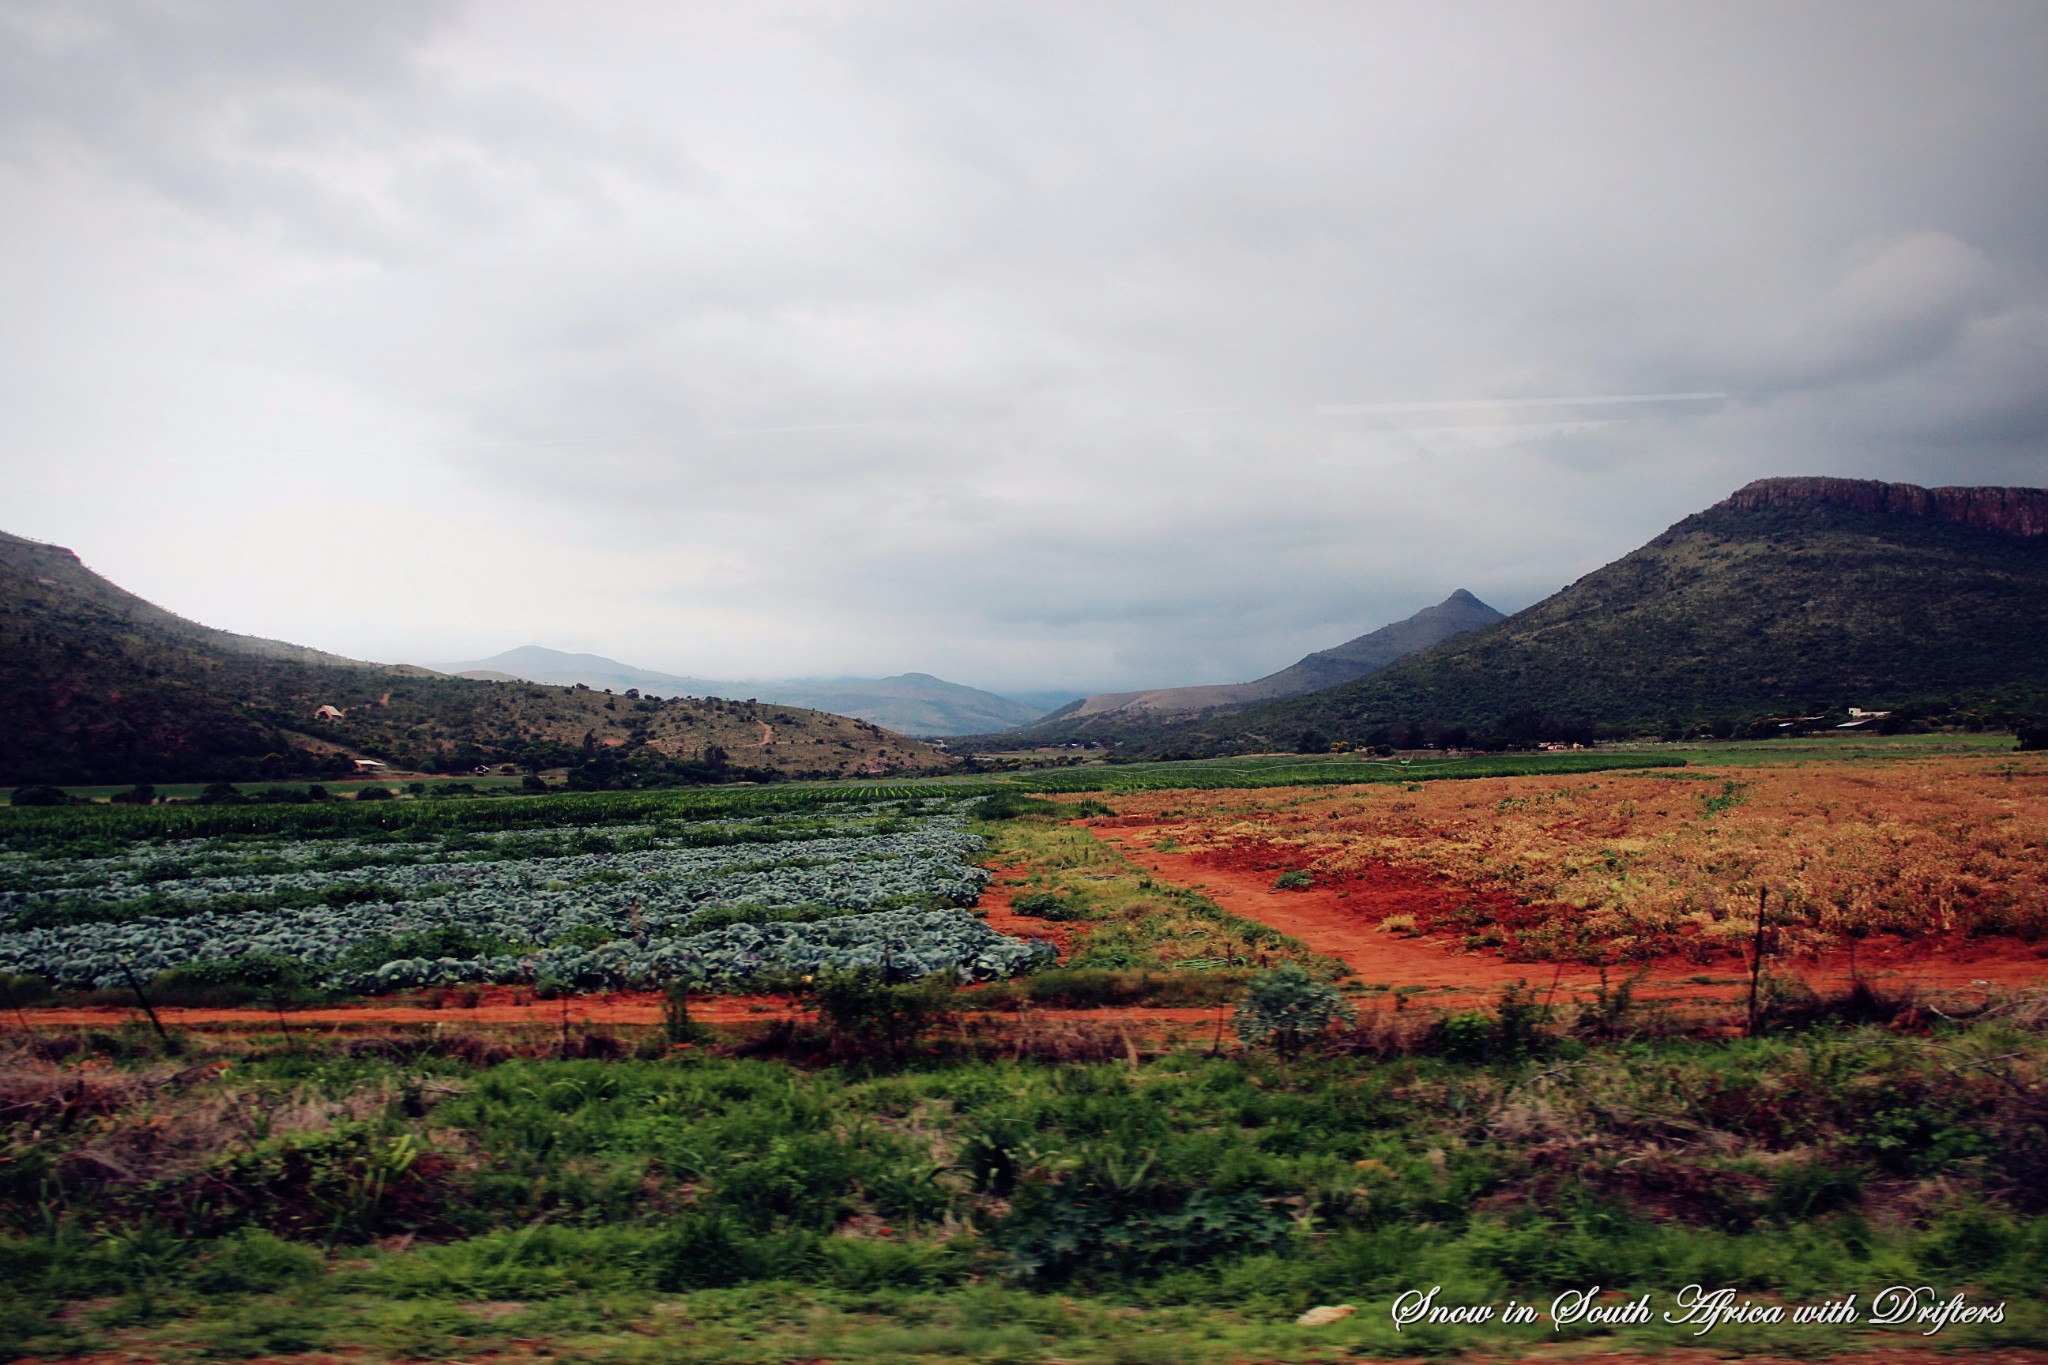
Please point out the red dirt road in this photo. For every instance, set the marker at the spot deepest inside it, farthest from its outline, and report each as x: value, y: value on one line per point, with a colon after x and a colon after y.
x: 1343, y: 923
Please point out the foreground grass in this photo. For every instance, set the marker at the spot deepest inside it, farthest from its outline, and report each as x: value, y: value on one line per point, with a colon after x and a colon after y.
x: 430, y: 1196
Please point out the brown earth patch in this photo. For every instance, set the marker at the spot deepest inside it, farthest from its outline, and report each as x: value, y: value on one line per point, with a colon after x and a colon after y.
x: 631, y: 1009
x: 1341, y: 920
x: 996, y: 907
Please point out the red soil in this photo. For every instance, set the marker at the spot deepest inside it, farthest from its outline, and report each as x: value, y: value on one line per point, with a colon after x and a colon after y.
x: 995, y: 905
x: 1343, y: 922
x: 502, y: 1006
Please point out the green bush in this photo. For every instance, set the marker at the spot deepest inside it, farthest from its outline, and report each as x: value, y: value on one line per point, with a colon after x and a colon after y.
x: 1108, y: 1223
x: 223, y: 983
x: 1098, y: 987
x: 863, y: 1012
x: 1046, y: 905
x: 1464, y: 1037
x: 1516, y: 1029
x: 1011, y: 804
x: 1288, y: 1009
x: 706, y: 1251
x: 18, y: 990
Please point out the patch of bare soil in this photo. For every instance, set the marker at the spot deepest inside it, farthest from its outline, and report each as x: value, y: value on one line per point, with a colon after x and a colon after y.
x: 996, y: 906
x: 503, y: 1009
x: 1343, y: 922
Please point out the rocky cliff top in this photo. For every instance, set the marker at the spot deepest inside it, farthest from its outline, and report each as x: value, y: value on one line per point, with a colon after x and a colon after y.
x: 2010, y: 511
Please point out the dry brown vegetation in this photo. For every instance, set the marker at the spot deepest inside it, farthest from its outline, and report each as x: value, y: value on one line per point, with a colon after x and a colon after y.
x: 1621, y: 865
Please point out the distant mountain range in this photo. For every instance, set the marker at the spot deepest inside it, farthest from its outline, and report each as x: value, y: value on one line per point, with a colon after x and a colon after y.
x: 1102, y: 715
x: 99, y: 686
x: 910, y: 703
x: 1791, y: 597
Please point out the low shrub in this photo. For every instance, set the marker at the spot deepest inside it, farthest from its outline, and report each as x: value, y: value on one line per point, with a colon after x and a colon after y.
x: 1013, y: 805
x: 18, y: 990
x: 1098, y: 987
x: 865, y: 1013
x: 1288, y: 1009
x: 1046, y: 905
x: 224, y: 983
x: 1518, y: 1028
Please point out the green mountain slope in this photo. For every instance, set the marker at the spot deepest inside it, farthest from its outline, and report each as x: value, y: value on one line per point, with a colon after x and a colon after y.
x: 1791, y: 596
x: 98, y: 685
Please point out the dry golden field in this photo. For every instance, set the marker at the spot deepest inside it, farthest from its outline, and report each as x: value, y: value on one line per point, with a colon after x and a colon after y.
x: 1626, y: 865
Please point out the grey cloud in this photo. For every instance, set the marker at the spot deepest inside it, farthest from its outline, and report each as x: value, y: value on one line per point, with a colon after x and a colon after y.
x: 333, y: 125
x: 997, y: 340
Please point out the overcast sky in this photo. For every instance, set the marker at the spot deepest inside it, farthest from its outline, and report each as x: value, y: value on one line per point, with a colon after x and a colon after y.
x: 1033, y: 345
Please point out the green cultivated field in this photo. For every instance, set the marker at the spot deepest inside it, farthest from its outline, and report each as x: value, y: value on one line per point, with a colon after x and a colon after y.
x: 1268, y: 770
x: 907, y: 1179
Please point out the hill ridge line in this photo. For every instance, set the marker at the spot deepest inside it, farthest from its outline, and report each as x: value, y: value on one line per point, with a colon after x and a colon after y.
x: 2013, y: 511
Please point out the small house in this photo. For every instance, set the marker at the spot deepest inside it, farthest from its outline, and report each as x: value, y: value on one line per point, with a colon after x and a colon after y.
x: 331, y: 714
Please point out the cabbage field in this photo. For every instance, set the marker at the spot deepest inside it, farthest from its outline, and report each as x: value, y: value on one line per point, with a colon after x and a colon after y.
x: 720, y: 902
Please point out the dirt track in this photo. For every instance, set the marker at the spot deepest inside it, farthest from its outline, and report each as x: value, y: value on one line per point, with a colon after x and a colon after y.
x: 1344, y: 923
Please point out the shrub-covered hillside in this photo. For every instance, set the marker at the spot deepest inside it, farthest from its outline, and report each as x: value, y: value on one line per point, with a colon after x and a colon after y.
x: 97, y: 685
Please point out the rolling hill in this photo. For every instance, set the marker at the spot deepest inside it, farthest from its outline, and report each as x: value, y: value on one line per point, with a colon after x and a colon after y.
x: 1790, y: 597
x: 910, y: 703
x: 1111, y: 716
x: 98, y: 685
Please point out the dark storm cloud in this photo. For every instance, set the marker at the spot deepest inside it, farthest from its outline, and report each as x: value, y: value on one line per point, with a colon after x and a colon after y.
x: 1064, y: 344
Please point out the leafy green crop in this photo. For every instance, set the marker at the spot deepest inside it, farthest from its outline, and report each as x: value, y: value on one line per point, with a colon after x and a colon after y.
x: 632, y: 903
